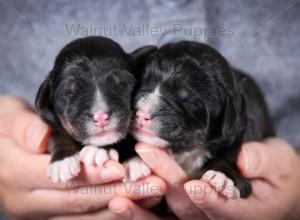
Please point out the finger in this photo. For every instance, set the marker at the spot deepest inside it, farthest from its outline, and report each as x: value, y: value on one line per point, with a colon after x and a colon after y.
x: 20, y: 123
x: 161, y: 164
x: 209, y: 201
x: 97, y: 215
x: 110, y: 171
x: 92, y: 198
x: 125, y: 209
x: 32, y: 168
x: 259, y: 160
x: 89, y: 175
x: 149, y: 202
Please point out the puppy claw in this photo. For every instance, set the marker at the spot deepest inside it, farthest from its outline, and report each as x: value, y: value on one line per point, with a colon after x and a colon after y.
x: 63, y: 170
x: 221, y: 184
x: 113, y: 154
x: 101, y: 156
x: 230, y: 191
x: 75, y: 166
x: 87, y: 155
x: 135, y: 170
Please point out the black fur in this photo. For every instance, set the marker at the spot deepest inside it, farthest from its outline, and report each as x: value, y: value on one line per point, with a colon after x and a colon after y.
x: 203, y: 103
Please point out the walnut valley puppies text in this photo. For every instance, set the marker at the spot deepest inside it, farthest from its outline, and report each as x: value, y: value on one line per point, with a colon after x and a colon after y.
x: 147, y: 30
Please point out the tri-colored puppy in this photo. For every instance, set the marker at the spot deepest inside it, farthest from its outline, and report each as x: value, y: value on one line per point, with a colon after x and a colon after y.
x: 191, y: 101
x: 86, y: 100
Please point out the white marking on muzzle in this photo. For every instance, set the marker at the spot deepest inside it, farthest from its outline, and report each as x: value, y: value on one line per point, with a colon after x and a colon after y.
x: 151, y: 99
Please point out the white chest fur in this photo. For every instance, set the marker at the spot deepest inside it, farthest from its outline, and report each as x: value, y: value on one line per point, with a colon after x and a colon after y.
x: 192, y: 160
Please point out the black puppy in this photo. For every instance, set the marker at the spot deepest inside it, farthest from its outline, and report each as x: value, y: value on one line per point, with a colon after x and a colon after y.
x: 190, y: 100
x: 86, y: 100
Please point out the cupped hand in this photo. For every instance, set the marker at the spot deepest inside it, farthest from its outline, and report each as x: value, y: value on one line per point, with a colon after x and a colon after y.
x: 272, y: 166
x: 25, y: 192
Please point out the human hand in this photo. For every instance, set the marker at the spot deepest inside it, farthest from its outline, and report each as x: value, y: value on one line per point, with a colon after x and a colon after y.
x: 25, y: 192
x: 164, y: 166
x: 272, y: 167
x: 179, y: 202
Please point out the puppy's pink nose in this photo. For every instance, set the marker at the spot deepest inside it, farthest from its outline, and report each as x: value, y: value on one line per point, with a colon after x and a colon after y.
x: 101, y: 119
x: 143, y: 118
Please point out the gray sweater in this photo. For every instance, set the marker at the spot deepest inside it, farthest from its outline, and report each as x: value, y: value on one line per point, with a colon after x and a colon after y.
x: 258, y: 37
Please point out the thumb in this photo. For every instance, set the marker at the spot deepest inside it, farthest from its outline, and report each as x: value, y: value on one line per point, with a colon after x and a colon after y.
x: 257, y: 160
x: 124, y: 208
x: 22, y: 125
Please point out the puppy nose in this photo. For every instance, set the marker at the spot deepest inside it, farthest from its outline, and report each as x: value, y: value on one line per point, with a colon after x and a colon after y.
x: 101, y: 119
x: 143, y: 118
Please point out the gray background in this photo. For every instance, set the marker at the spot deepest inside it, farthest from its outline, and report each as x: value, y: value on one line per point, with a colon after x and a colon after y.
x: 261, y: 37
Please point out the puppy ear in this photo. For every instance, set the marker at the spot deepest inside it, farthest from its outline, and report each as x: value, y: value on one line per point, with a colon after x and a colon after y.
x: 140, y: 55
x: 143, y: 52
x: 234, y: 121
x: 43, y: 95
x: 43, y: 103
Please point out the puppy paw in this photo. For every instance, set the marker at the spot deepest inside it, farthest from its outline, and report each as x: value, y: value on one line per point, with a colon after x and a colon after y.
x: 64, y: 170
x: 91, y: 155
x: 221, y: 184
x: 135, y: 169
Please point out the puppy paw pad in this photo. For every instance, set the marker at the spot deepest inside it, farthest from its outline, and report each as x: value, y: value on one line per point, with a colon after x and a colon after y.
x: 136, y: 169
x: 221, y: 183
x: 64, y: 170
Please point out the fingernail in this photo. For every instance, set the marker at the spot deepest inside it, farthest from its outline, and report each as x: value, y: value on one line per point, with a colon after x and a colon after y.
x: 194, y: 194
x: 249, y: 158
x: 36, y: 134
x: 110, y: 173
x: 121, y: 210
x: 200, y: 194
x: 148, y: 155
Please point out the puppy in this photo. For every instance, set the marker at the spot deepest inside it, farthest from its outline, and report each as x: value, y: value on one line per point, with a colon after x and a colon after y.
x: 191, y: 101
x: 86, y: 100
